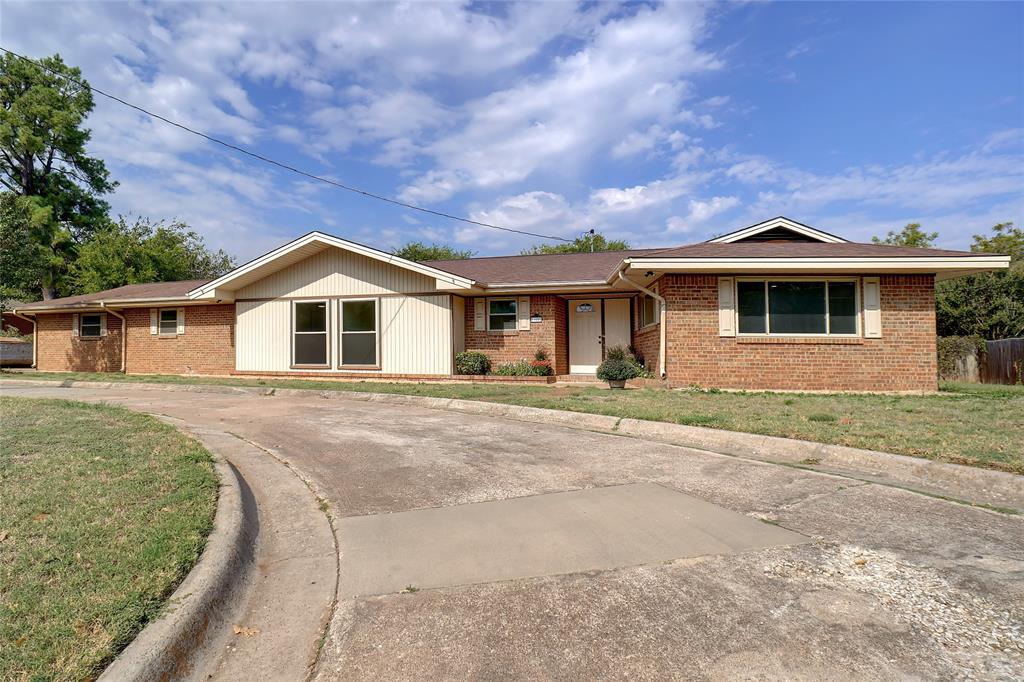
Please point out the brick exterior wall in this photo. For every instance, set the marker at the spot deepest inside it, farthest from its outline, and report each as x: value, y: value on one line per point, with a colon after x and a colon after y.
x: 551, y: 335
x: 647, y: 342
x: 61, y: 351
x: 206, y: 347
x: 902, y: 360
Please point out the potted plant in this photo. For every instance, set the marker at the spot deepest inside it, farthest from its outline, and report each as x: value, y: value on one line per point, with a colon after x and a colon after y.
x: 616, y: 368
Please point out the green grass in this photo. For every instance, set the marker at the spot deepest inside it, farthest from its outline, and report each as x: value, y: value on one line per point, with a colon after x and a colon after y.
x: 974, y: 424
x: 102, y: 512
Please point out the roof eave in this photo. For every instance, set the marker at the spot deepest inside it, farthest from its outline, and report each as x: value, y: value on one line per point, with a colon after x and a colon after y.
x: 444, y: 279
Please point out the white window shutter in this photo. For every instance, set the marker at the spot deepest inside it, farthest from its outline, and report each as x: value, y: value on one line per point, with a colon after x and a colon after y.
x: 154, y: 321
x: 872, y: 308
x: 74, y: 325
x: 479, y: 314
x: 523, y: 313
x: 103, y: 324
x: 181, y: 320
x: 726, y: 307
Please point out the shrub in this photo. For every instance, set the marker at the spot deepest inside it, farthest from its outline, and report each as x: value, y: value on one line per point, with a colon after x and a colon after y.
x: 615, y: 353
x: 541, y: 368
x: 952, y: 348
x: 472, y: 362
x: 617, y: 369
x: 519, y: 368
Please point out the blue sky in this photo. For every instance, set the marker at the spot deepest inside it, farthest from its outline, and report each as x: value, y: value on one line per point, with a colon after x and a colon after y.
x: 658, y: 123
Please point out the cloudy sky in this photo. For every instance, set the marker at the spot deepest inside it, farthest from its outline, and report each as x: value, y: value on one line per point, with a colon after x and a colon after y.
x: 658, y: 123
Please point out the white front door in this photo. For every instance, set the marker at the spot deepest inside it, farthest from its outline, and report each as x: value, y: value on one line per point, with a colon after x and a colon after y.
x: 616, y: 323
x: 584, y: 335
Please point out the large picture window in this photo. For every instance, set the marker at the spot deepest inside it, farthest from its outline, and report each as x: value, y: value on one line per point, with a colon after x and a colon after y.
x: 359, y: 346
x: 501, y: 314
x: 309, y: 336
x: 782, y: 307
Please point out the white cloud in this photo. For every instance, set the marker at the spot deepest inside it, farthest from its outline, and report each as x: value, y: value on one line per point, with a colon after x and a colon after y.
x: 631, y: 71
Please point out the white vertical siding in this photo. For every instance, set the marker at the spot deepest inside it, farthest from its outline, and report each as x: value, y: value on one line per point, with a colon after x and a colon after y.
x: 459, y: 323
x: 334, y: 272
x: 263, y: 336
x: 416, y: 334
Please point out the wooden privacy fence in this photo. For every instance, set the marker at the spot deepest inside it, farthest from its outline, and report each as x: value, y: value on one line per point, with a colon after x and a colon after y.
x: 989, y: 362
x: 1003, y: 362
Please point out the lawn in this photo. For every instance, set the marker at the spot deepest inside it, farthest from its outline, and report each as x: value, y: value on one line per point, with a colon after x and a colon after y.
x: 973, y: 424
x: 102, y: 513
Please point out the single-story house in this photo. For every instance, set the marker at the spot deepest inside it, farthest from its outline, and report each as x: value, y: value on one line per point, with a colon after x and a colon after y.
x: 778, y: 305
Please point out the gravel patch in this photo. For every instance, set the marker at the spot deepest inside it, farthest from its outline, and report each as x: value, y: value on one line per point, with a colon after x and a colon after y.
x: 980, y: 638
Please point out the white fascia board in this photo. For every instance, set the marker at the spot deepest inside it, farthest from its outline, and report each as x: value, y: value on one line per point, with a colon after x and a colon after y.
x: 785, y: 223
x: 328, y: 240
x: 936, y: 264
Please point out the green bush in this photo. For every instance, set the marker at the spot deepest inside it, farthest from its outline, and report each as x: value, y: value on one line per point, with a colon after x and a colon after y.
x: 519, y: 368
x: 952, y: 348
x: 617, y: 369
x: 472, y: 362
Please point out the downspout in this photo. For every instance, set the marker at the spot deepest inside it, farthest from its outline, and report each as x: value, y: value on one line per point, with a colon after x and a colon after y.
x: 662, y: 317
x: 35, y: 341
x: 124, y: 333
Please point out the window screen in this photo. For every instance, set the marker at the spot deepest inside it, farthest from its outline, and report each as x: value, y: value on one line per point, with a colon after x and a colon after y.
x: 169, y: 321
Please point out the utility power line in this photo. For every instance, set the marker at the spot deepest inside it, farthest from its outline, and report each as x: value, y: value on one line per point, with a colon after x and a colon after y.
x: 280, y: 164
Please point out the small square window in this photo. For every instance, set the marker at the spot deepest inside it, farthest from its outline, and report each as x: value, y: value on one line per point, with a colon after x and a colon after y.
x: 168, y: 322
x: 501, y: 314
x: 90, y: 326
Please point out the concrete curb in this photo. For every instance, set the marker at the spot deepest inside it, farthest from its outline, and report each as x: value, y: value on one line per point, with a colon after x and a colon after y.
x: 201, y: 604
x: 969, y: 484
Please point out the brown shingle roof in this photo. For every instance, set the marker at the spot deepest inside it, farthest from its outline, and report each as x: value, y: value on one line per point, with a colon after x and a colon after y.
x: 556, y: 267
x: 141, y: 292
x: 800, y: 250
x: 593, y: 267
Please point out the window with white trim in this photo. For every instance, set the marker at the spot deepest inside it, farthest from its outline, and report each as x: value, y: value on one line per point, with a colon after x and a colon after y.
x: 501, y: 314
x: 359, y: 334
x: 776, y: 307
x: 168, y: 322
x: 309, y: 334
x: 90, y: 326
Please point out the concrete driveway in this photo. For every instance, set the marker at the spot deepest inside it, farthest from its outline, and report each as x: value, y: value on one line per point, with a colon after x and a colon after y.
x: 535, y: 551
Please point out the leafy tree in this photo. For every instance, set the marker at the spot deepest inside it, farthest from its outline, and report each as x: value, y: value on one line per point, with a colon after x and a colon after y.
x: 910, y: 235
x: 419, y: 252
x: 132, y: 253
x: 24, y: 261
x: 1006, y: 239
x: 582, y: 244
x: 991, y: 304
x: 43, y: 155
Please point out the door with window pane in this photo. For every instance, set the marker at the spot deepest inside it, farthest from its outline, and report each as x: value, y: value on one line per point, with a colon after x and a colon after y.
x: 359, y: 334
x: 309, y: 334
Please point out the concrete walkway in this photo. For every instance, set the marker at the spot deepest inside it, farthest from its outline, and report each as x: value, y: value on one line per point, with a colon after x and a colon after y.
x: 846, y: 579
